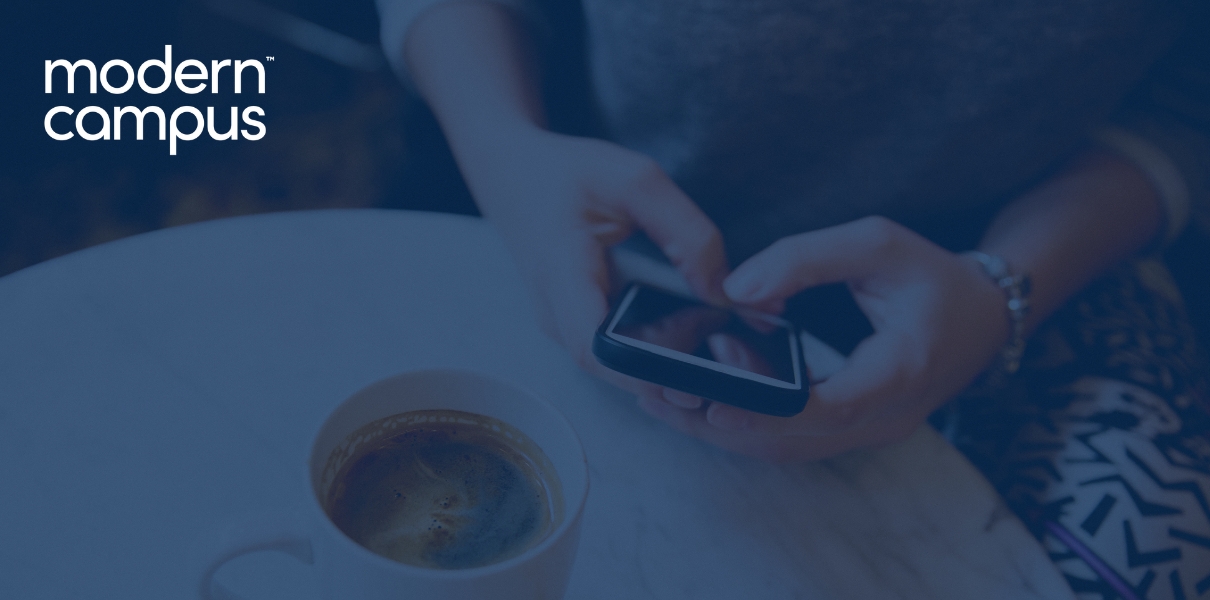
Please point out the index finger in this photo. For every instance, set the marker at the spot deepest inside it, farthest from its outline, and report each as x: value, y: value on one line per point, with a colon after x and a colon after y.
x: 843, y: 252
x: 683, y: 232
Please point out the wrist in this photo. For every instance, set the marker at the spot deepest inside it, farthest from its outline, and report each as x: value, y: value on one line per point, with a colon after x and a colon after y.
x: 492, y: 163
x: 487, y: 146
x: 1014, y: 289
x: 1073, y: 227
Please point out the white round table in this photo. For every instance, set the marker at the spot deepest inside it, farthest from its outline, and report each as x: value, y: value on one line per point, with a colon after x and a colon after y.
x: 156, y: 387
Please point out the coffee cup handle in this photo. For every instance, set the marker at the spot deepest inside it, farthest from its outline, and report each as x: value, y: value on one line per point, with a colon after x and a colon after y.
x: 285, y: 533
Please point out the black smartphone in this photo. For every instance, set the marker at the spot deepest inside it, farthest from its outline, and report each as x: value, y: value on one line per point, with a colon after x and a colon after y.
x: 740, y: 357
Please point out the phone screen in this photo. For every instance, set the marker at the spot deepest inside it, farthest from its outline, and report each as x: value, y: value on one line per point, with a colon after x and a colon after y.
x: 748, y: 341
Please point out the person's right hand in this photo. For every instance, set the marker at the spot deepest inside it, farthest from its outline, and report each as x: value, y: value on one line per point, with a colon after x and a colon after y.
x: 561, y: 201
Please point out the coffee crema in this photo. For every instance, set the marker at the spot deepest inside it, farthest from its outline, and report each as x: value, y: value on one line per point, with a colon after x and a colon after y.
x: 444, y: 489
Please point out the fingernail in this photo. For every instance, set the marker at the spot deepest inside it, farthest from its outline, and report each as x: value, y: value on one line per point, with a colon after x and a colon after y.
x: 742, y: 286
x: 681, y: 399
x: 726, y: 417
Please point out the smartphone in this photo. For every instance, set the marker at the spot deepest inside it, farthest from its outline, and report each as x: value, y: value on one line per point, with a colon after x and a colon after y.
x: 732, y: 355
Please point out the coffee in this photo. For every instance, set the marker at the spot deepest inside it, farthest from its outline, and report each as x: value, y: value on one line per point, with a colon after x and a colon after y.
x: 443, y: 489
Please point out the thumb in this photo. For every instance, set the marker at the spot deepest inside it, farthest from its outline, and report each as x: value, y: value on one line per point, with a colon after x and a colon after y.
x: 835, y: 254
x: 683, y: 232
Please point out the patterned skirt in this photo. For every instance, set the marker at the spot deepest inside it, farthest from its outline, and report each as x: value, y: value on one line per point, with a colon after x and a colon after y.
x: 1101, y: 443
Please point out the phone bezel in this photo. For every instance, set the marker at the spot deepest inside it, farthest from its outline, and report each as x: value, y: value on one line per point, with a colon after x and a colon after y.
x: 698, y: 376
x: 633, y: 292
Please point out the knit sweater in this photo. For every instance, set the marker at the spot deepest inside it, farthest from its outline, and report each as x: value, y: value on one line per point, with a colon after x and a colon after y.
x: 782, y: 116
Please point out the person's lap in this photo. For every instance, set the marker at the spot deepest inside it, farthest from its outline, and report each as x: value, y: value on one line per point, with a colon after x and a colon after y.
x: 1100, y: 444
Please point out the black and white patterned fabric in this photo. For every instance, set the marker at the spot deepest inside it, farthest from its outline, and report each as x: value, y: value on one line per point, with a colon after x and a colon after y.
x: 1100, y: 444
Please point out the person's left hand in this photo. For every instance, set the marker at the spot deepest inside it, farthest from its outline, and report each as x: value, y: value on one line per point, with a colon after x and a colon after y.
x: 938, y: 320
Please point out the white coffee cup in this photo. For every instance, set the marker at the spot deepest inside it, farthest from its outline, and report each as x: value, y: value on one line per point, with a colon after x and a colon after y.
x: 346, y: 569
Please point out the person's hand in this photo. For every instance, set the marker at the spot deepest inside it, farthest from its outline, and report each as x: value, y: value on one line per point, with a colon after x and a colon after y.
x: 938, y: 321
x: 561, y: 201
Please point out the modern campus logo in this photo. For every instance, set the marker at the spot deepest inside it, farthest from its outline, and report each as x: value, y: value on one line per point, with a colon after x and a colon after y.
x: 190, y: 76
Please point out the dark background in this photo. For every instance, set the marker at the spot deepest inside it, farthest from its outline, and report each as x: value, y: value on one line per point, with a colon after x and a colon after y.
x: 338, y: 137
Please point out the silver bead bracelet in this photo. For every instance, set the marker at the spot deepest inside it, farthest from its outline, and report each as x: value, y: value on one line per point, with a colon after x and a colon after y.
x: 1016, y: 288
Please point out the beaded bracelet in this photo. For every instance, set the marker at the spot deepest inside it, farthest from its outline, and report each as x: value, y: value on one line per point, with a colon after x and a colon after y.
x: 1016, y: 288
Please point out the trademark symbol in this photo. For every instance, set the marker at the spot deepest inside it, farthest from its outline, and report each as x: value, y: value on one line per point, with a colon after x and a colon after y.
x: 269, y: 58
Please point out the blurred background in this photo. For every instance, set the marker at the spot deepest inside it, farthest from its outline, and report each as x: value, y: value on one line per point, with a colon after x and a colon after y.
x: 342, y: 131
x: 340, y: 135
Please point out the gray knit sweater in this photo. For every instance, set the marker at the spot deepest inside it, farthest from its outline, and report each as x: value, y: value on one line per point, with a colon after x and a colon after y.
x: 781, y: 116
